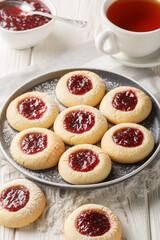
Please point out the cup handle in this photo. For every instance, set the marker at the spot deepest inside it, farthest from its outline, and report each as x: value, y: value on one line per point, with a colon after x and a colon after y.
x: 101, y: 39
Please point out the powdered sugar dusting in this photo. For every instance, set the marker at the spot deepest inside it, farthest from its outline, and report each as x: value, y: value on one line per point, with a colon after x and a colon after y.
x: 8, y: 133
x: 111, y: 85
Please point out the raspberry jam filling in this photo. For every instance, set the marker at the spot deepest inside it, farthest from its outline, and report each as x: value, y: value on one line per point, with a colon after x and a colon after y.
x: 32, y: 108
x: 83, y: 160
x: 14, y: 19
x: 14, y: 198
x: 79, y: 84
x: 92, y: 223
x: 79, y: 121
x: 128, y: 137
x: 125, y: 101
x: 33, y: 143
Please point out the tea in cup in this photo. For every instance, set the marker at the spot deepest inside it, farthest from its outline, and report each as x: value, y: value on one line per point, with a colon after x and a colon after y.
x: 129, y: 26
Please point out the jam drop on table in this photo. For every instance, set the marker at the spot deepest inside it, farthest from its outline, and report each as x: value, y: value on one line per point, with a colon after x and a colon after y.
x: 128, y: 137
x: 14, y: 198
x: 32, y: 108
x: 79, y: 121
x: 79, y: 84
x: 33, y: 143
x: 83, y: 160
x: 14, y: 19
x: 92, y: 223
x: 125, y: 100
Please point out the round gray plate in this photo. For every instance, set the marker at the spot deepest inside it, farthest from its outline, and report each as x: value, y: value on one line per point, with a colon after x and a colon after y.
x: 47, y: 83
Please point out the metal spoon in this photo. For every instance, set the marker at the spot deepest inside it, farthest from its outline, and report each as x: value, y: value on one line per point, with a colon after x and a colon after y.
x: 29, y: 11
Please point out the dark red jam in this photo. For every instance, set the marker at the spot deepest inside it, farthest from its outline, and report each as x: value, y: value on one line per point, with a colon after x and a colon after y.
x: 79, y: 121
x: 125, y: 100
x: 14, y: 198
x: 14, y: 19
x: 79, y: 84
x: 32, y: 108
x: 92, y: 223
x: 128, y: 137
x: 83, y: 160
x: 33, y: 143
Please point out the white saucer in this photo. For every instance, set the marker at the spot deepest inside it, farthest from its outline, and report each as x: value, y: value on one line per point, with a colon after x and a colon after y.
x: 151, y: 60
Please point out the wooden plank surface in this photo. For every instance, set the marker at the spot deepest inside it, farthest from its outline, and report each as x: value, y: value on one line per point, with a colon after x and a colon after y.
x: 154, y: 205
x: 140, y: 217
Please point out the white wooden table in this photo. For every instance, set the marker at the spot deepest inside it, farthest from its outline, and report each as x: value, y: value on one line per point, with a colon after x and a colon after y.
x: 141, y: 217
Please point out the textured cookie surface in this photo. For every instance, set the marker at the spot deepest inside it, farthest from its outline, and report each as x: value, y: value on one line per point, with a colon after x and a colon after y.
x: 127, y: 143
x: 80, y: 87
x: 37, y: 148
x: 32, y: 109
x: 126, y: 104
x: 80, y: 124
x: 84, y: 164
x: 92, y: 221
x: 21, y: 203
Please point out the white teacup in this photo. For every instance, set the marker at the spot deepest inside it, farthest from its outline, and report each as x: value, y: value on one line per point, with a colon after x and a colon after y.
x: 113, y: 39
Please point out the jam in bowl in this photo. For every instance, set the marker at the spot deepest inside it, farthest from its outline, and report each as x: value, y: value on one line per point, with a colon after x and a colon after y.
x: 13, y: 18
x: 20, y: 30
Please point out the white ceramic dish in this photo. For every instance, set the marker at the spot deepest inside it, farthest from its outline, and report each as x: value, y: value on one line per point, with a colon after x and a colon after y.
x: 28, y: 38
x: 113, y: 39
x: 145, y: 62
x: 151, y: 60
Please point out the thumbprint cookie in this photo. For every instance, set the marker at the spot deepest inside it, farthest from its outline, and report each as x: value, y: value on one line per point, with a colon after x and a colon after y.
x: 32, y: 109
x: 80, y: 87
x: 21, y: 203
x: 80, y: 124
x: 126, y: 104
x: 37, y: 148
x: 127, y: 143
x: 84, y: 164
x: 92, y: 221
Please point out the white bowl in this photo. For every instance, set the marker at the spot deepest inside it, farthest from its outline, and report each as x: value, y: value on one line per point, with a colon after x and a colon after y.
x: 28, y: 38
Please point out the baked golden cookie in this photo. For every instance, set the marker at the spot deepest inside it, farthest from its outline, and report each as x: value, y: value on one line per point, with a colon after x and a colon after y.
x: 92, y: 221
x: 80, y: 87
x: 84, y: 164
x: 127, y: 143
x: 21, y: 203
x: 37, y: 148
x: 125, y: 104
x: 32, y: 109
x: 80, y: 124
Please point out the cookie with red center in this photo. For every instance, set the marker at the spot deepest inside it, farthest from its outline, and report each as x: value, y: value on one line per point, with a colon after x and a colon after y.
x: 80, y: 87
x: 92, y: 221
x: 37, y: 148
x: 126, y: 104
x: 21, y: 203
x: 80, y: 124
x: 127, y: 143
x: 84, y: 164
x: 32, y: 109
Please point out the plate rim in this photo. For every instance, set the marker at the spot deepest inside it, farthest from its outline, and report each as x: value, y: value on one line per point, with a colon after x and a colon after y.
x: 70, y: 186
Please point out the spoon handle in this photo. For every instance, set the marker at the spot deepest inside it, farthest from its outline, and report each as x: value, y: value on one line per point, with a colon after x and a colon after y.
x: 77, y: 23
